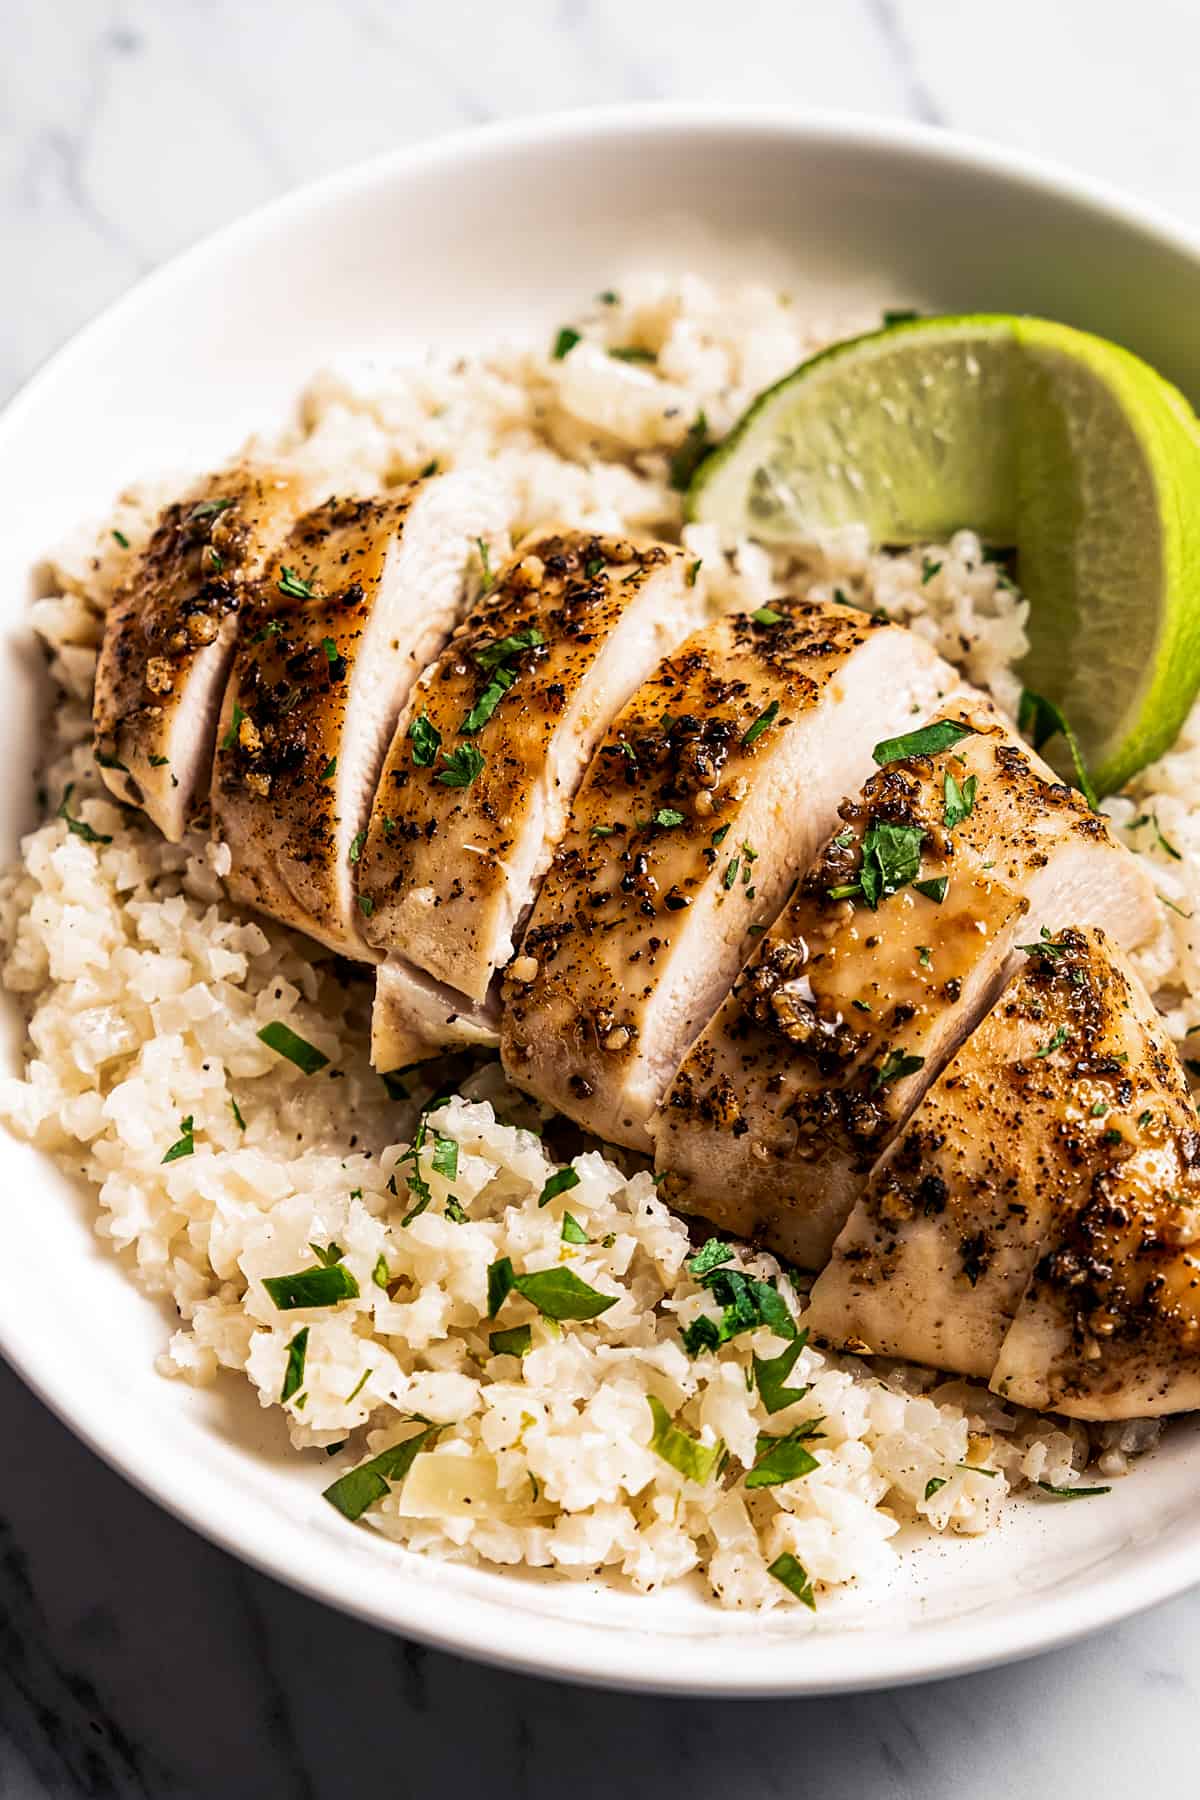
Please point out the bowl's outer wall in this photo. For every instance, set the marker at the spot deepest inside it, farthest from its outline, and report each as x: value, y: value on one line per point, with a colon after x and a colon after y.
x: 510, y: 232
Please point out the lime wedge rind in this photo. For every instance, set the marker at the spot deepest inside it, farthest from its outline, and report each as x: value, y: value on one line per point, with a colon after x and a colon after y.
x: 1032, y: 434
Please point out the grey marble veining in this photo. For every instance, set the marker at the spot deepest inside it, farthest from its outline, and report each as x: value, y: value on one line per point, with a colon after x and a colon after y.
x: 136, y: 1660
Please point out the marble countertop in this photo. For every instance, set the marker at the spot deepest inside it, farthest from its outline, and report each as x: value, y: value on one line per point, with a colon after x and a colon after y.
x: 134, y: 1658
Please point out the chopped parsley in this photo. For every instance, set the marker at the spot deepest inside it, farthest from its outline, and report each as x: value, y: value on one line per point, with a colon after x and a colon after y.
x: 895, y: 1066
x: 516, y: 1341
x: 379, y: 1274
x: 593, y: 568
x: 1049, y: 949
x: 929, y: 569
x: 327, y: 1254
x: 498, y: 685
x: 925, y: 955
x: 323, y: 1286
x: 960, y: 801
x: 693, y: 570
x: 444, y: 1161
x: 1099, y: 1109
x: 285, y: 1042
x: 1061, y: 1034
x: 766, y: 615
x: 1040, y: 720
x: 632, y: 353
x: 934, y: 1485
x: 687, y: 1455
x: 713, y: 1254
x: 426, y: 740
x: 237, y: 1115
x: 601, y: 831
x: 293, y: 1378
x: 485, y: 562
x: 719, y: 835
x: 330, y: 769
x: 1163, y: 843
x: 231, y: 736
x: 556, y: 1293
x: 208, y: 509
x: 667, y: 817
x: 559, y: 1183
x: 609, y: 297
x: 794, y: 1577
x: 79, y: 827
x: 455, y: 1211
x: 356, y: 846
x: 781, y: 1459
x: 934, y: 889
x: 690, y: 454
x: 566, y: 340
x: 764, y: 721
x: 431, y: 468
x: 121, y: 538
x: 354, y: 1492
x: 1071, y: 1493
x: 160, y: 762
x: 771, y: 1373
x: 731, y: 872
x: 487, y: 656
x: 745, y: 1302
x: 928, y: 741
x: 293, y: 585
x: 462, y: 766
x: 572, y: 1231
x: 891, y: 858
x: 113, y: 762
x: 186, y: 1142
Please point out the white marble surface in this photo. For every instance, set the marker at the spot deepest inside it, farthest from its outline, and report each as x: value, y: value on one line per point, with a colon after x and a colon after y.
x: 134, y: 1659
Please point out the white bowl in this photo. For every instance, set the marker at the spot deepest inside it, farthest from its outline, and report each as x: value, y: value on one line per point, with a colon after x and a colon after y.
x: 509, y: 230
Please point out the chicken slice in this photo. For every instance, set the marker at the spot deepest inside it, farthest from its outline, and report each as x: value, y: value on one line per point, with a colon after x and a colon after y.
x: 364, y: 593
x: 896, y: 943
x: 169, y: 637
x: 711, y: 790
x: 1109, y: 1324
x: 1059, y: 1138
x: 482, y: 770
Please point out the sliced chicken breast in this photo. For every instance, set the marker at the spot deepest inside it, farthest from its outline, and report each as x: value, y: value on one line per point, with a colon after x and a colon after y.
x: 1109, y: 1324
x: 363, y: 594
x: 898, y: 940
x: 169, y: 637
x: 710, y: 791
x: 1059, y: 1144
x: 482, y: 770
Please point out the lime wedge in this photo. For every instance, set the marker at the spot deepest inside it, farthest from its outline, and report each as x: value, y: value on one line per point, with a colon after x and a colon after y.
x: 1038, y: 437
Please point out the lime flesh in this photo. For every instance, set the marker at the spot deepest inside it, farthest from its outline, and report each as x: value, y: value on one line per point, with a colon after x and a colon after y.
x: 1036, y: 436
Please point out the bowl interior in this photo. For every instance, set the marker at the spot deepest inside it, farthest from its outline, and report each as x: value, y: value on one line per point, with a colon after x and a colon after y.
x: 500, y: 235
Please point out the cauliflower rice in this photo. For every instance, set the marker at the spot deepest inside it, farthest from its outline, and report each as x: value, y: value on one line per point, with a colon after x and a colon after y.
x: 218, y: 1163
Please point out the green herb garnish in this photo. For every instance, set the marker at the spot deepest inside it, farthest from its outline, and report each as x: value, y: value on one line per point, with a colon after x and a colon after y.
x: 293, y: 1378
x: 354, y: 1492
x: 794, y: 1577
x: 208, y: 509
x: 928, y: 741
x: 488, y: 700
x: 764, y: 721
x: 485, y: 560
x: 379, y: 1274
x: 356, y: 846
x: 237, y: 1115
x: 186, y: 1143
x: 1071, y: 1493
x: 487, y: 656
x: 686, y: 1455
x: 231, y: 736
x: 934, y: 1485
x: 444, y: 1161
x: 121, y: 538
x: 79, y: 827
x: 667, y: 817
x: 693, y: 569
x: 771, y: 1373
x: 285, y: 1042
x: 323, y: 1286
x: 713, y: 1254
x: 566, y: 340
x: 293, y: 585
x: 895, y: 1066
x: 934, y: 889
x: 462, y: 766
x: 558, y: 1183
x: 556, y: 1293
x: 572, y: 1231
x: 960, y: 801
x: 782, y: 1459
x: 1040, y: 720
x: 516, y: 1341
x: 766, y: 615
x: 632, y: 353
x: 1061, y: 1034
x: 426, y: 740
x: 690, y: 454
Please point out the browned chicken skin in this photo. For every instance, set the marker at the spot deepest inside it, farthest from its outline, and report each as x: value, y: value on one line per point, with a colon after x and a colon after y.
x: 1031, y: 1226
x: 709, y: 792
x: 169, y: 638
x: 894, y: 946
